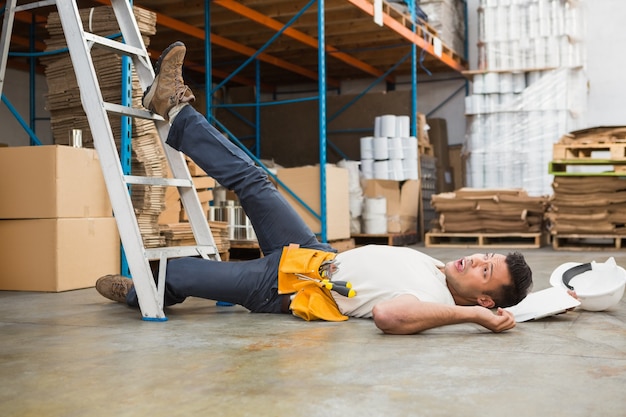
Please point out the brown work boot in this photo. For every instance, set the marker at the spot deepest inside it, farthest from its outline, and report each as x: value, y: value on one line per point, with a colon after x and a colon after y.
x: 114, y: 287
x: 168, y: 88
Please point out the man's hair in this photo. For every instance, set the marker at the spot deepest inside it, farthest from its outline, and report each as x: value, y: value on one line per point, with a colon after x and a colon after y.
x: 521, y: 281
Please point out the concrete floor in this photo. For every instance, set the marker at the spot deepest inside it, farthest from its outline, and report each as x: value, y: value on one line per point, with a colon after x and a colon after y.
x: 77, y: 354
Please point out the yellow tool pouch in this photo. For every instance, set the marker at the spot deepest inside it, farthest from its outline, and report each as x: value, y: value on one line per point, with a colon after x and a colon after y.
x: 310, y: 301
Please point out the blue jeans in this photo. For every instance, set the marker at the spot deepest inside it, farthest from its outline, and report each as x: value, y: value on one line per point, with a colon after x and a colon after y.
x: 254, y: 283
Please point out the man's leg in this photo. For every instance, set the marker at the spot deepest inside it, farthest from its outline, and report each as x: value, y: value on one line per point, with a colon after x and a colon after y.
x: 251, y: 284
x: 275, y: 222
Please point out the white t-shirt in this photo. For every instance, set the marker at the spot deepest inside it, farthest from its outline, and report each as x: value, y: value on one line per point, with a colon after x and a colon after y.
x: 380, y: 273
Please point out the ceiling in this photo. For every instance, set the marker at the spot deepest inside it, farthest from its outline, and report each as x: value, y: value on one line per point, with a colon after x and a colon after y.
x: 356, y: 46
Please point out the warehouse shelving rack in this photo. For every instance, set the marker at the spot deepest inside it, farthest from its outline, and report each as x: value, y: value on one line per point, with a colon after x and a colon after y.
x: 417, y: 36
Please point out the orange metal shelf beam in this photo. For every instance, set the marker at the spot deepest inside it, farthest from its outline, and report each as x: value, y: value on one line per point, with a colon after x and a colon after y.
x: 25, y: 42
x: 368, y: 7
x: 234, y: 46
x: 26, y: 17
x: 218, y: 73
x: 299, y: 36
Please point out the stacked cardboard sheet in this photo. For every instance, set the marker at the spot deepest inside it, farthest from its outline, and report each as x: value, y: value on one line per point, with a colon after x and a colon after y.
x: 64, y: 104
x: 180, y: 234
x: 588, y: 205
x: 148, y: 160
x: 488, y: 211
x: 63, y: 100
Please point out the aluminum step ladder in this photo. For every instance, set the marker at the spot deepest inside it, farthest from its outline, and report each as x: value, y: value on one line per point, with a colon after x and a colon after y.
x: 79, y: 43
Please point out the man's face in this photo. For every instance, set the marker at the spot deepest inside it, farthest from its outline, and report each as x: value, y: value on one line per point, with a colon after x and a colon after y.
x: 471, y: 277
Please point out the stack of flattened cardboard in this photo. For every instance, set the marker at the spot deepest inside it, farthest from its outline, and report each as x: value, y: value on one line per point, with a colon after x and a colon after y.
x: 469, y: 210
x: 63, y: 102
x: 588, y: 204
x: 148, y: 160
x: 180, y: 234
x: 593, y: 202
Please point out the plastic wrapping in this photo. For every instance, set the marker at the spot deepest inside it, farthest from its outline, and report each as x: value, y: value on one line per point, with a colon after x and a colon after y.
x: 533, y: 91
x: 522, y: 34
x: 447, y: 18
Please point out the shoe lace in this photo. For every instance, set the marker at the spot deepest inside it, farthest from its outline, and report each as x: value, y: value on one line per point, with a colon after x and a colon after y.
x: 180, y: 90
x: 119, y: 289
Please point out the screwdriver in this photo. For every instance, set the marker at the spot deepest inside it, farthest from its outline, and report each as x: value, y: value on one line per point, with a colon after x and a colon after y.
x: 341, y: 287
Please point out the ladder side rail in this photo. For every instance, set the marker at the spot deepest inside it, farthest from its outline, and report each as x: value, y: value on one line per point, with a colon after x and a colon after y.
x: 188, y: 196
x: 92, y: 101
x: 5, y: 38
x: 123, y: 10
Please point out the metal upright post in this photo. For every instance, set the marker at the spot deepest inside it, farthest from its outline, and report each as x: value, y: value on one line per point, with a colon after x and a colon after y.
x: 321, y: 52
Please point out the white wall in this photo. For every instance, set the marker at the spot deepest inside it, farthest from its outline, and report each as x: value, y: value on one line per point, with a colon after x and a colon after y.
x: 16, y: 90
x: 606, y: 62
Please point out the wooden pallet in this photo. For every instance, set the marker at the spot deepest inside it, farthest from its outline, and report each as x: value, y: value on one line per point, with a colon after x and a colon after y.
x: 249, y: 249
x: 422, y: 29
x: 616, y: 150
x: 391, y: 239
x: 611, y: 167
x: 483, y: 240
x: 586, y: 242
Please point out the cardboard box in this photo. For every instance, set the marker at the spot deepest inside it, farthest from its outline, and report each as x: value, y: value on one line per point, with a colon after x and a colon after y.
x: 202, y: 183
x: 402, y: 202
x: 38, y: 182
x: 57, y: 254
x: 171, y: 213
x: 184, y: 217
x: 305, y: 183
x: 205, y: 196
x: 438, y: 135
x: 458, y: 161
x: 194, y: 169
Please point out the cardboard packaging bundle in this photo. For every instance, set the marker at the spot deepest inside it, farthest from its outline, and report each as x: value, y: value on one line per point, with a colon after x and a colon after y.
x: 402, y: 199
x: 56, y: 223
x: 305, y: 183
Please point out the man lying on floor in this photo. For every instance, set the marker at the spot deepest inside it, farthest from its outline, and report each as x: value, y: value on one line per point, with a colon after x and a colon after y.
x: 403, y: 290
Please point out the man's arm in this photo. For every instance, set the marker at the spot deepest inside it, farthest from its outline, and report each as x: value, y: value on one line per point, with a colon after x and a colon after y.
x: 406, y: 314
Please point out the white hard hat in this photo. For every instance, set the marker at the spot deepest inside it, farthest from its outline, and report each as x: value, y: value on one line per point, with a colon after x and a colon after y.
x: 599, y: 286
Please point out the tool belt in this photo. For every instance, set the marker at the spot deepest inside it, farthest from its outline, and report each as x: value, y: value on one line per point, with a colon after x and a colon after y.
x: 303, y: 272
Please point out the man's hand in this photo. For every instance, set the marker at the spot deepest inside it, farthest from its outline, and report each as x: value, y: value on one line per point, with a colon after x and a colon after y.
x: 406, y: 314
x: 500, y: 321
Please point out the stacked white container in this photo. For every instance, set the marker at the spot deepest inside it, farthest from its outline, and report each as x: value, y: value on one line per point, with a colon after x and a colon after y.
x: 530, y: 92
x: 391, y: 154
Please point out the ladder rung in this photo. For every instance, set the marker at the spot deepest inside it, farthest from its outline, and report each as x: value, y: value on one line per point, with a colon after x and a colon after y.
x: 114, y: 46
x: 131, y: 111
x: 35, y: 5
x: 178, y: 251
x: 163, y: 182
